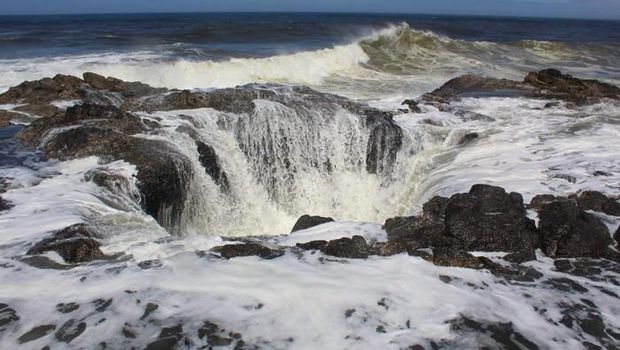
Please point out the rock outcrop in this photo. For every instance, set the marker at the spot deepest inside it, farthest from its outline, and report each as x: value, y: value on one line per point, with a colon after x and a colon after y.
x: 75, y: 244
x: 307, y: 221
x: 545, y: 84
x: 247, y: 249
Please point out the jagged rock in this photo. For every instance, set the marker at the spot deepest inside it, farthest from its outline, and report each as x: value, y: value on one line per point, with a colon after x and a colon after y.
x: 468, y: 138
x: 70, y: 330
x: 488, y: 335
x: 307, y: 221
x: 7, y: 116
x: 44, y: 91
x: 312, y: 245
x: 567, y: 231
x: 540, y: 200
x: 388, y: 248
x: 41, y: 110
x: 452, y: 256
x: 545, y: 84
x: 5, y: 205
x: 7, y: 316
x: 486, y: 219
x: 105, y: 131
x: 36, y: 333
x: 126, y: 89
x: 75, y: 244
x: 247, y: 249
x: 353, y: 248
x: 596, y: 201
x: 211, y: 163
x: 413, y: 106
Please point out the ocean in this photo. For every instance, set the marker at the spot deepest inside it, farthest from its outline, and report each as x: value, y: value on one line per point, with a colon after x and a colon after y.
x: 295, y: 152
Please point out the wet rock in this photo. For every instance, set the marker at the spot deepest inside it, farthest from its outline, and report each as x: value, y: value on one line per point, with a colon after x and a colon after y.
x: 312, y: 245
x: 617, y: 237
x: 457, y: 258
x: 7, y: 116
x: 388, y: 248
x: 150, y: 264
x: 7, y: 316
x: 36, y: 333
x: 545, y: 84
x: 43, y: 262
x: 539, y: 200
x: 60, y: 87
x: 168, y: 338
x: 568, y: 231
x: 491, y: 335
x: 247, y: 249
x: 75, y: 244
x: 353, y: 248
x: 596, y: 201
x: 5, y: 205
x: 385, y: 141
x: 150, y: 308
x: 413, y: 106
x: 70, y: 330
x: 101, y: 304
x: 485, y: 219
x: 67, y: 308
x: 126, y: 89
x: 211, y: 163
x: 469, y: 137
x: 307, y: 221
x: 41, y: 110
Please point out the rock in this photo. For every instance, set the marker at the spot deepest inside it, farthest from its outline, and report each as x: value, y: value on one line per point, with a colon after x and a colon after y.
x: 7, y: 116
x: 67, y: 308
x: 307, y: 221
x: 247, y: 249
x: 566, y: 231
x: 312, y: 245
x: 36, y: 333
x: 388, y: 248
x: 150, y: 308
x: 485, y: 219
x: 126, y: 89
x: 44, y: 91
x: 75, y: 244
x: 7, y: 316
x: 413, y: 106
x: 545, y: 84
x: 353, y: 248
x: 489, y: 219
x: 469, y: 137
x: 70, y: 330
x: 596, y: 201
x: 540, y: 200
x: 451, y: 256
x: 617, y: 237
x: 5, y: 205
x: 41, y: 110
x: 105, y: 131
x: 211, y: 163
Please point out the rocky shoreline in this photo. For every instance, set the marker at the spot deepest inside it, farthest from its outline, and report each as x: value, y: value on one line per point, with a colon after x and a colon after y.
x: 110, y: 118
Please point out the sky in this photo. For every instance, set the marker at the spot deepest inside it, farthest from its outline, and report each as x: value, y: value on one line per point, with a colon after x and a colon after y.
x: 609, y: 9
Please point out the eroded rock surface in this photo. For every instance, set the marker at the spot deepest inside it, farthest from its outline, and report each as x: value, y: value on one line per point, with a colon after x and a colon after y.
x: 75, y: 244
x: 307, y: 221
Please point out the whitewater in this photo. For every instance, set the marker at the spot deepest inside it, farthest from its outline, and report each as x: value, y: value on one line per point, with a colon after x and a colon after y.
x: 318, y: 166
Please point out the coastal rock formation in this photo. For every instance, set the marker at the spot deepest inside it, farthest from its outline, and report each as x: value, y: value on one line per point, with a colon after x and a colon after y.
x: 545, y: 84
x: 75, y: 244
x: 307, y: 221
x: 247, y: 249
x: 485, y: 219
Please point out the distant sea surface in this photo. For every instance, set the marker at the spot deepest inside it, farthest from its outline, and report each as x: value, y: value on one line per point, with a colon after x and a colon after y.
x: 358, y: 55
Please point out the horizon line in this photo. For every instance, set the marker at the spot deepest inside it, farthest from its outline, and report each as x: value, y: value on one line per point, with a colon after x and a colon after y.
x: 308, y: 12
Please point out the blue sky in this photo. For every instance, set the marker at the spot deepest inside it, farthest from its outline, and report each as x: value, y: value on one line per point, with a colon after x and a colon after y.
x: 537, y: 8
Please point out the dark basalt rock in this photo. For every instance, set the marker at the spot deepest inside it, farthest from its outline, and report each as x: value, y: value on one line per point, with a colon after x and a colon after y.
x: 540, y: 200
x: 451, y: 256
x: 60, y: 87
x: 126, y: 89
x: 596, y: 201
x: 489, y: 335
x: 70, y: 330
x: 7, y: 316
x: 247, y: 249
x: 211, y: 163
x: 545, y: 84
x: 307, y: 221
x: 413, y: 106
x: 7, y: 116
x: 75, y: 244
x: 568, y: 231
x: 105, y: 131
x: 486, y: 219
x: 353, y: 248
x: 36, y: 333
x: 312, y: 245
x: 42, y: 110
x: 617, y: 237
x: 5, y: 205
x: 388, y: 248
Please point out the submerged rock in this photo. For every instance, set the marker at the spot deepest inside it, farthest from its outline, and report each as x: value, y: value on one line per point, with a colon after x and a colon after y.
x: 7, y: 316
x: 75, y: 244
x: 247, y: 249
x: 211, y: 163
x: 307, y: 221
x: 36, y: 333
x: 545, y: 84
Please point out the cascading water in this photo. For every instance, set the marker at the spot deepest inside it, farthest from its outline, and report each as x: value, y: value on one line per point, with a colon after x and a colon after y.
x: 293, y: 154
